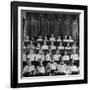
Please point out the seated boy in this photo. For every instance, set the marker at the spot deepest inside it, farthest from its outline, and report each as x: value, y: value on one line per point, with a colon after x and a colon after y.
x: 40, y: 69
x: 28, y: 69
x: 31, y: 56
x: 32, y: 70
x: 40, y: 56
x: 75, y: 58
x: 66, y: 58
x: 48, y: 56
x: 51, y: 67
x: 74, y: 69
x: 61, y: 68
x: 57, y: 56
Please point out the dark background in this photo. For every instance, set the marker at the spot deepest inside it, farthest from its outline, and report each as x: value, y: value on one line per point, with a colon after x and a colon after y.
x: 35, y: 23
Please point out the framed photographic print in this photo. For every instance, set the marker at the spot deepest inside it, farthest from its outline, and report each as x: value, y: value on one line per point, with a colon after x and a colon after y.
x: 48, y: 44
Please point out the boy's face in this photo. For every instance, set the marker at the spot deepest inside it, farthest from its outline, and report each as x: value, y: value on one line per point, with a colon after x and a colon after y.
x: 57, y: 52
x: 52, y: 60
x: 59, y: 37
x: 40, y: 37
x: 52, y: 35
x: 40, y: 52
x: 70, y: 37
x: 44, y: 43
x: 45, y: 37
x: 60, y: 44
x: 74, y: 51
x: 68, y: 45
x: 29, y: 62
x: 65, y: 37
x: 38, y: 44
x: 41, y: 63
x: 32, y: 38
x: 31, y: 51
x: 31, y: 42
x: 27, y: 37
x: 65, y: 53
x: 28, y: 45
x: 71, y: 64
x: 62, y: 62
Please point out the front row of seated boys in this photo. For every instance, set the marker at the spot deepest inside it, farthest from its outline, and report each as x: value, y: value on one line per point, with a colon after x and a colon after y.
x: 48, y: 65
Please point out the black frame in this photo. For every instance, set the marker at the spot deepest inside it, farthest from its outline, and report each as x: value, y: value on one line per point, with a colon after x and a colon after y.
x: 14, y: 44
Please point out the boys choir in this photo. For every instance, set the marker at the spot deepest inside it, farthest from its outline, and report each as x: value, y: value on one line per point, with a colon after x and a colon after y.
x: 44, y: 57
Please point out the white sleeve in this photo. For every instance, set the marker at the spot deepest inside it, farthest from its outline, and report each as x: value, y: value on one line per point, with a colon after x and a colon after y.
x: 46, y: 57
x: 43, y: 58
x: 54, y: 39
x: 36, y: 57
x: 28, y: 56
x: 71, y: 56
x: 25, y: 69
x: 63, y: 58
x: 50, y: 39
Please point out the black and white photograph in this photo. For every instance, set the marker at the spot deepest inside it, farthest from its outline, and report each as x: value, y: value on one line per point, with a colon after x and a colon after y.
x: 50, y: 44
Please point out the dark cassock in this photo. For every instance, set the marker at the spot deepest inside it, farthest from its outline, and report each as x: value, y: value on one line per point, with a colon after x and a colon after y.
x: 27, y: 27
x: 37, y: 27
x: 60, y: 27
x: 24, y: 27
x: 48, y: 28
x: 56, y: 28
x: 75, y: 29
x: 67, y: 27
x: 32, y: 26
